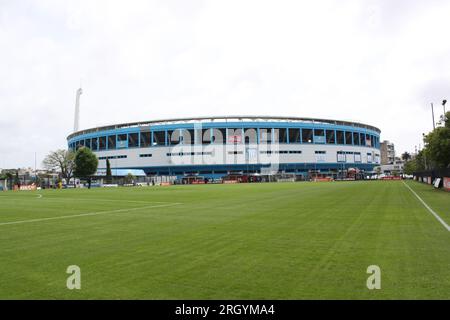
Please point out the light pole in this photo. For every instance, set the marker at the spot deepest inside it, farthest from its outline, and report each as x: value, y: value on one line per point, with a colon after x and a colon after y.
x: 443, y: 105
x: 432, y: 114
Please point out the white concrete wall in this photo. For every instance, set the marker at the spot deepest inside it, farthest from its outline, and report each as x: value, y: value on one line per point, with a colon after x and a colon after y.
x: 160, y: 158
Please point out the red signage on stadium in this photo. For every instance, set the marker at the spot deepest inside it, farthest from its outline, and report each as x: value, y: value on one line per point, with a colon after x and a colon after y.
x: 391, y: 178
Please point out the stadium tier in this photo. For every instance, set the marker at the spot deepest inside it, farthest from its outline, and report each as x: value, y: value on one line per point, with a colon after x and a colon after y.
x: 214, y: 147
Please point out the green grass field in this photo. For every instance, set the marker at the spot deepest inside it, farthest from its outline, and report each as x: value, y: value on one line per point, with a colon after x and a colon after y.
x: 246, y: 241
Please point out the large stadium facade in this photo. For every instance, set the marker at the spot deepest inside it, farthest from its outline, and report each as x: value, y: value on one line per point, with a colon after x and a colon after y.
x: 213, y: 147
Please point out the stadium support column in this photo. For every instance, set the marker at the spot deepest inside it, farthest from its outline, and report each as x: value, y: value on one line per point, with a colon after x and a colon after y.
x: 77, y: 110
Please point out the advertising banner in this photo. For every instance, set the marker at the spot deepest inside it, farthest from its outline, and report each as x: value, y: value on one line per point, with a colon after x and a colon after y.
x: 447, y: 183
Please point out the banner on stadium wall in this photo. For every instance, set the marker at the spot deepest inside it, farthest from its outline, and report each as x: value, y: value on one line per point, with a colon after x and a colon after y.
x: 31, y: 187
x: 391, y: 178
x: 447, y: 183
x: 437, y: 182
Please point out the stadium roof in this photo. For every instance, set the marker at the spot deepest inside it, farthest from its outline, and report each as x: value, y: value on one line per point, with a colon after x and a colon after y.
x: 225, y: 119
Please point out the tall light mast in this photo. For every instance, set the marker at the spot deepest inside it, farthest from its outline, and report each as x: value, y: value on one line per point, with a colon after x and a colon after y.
x: 77, y: 110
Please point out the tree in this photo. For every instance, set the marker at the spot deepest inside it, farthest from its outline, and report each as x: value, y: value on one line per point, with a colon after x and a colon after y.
x: 86, y: 164
x: 129, y: 178
x: 9, y: 175
x: 438, y: 145
x: 17, y: 179
x: 406, y: 156
x: 62, y: 161
x: 108, y: 172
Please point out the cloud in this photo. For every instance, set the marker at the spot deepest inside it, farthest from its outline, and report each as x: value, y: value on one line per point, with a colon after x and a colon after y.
x: 379, y: 62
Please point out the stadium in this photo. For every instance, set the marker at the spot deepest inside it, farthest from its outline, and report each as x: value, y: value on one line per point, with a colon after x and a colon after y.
x: 244, y: 146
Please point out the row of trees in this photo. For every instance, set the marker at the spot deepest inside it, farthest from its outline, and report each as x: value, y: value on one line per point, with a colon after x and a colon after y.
x: 81, y: 164
x: 11, y: 176
x: 436, y: 152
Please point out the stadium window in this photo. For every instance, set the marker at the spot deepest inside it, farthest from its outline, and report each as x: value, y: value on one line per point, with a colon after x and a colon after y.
x: 319, y: 132
x: 219, y: 136
x: 319, y: 136
x: 145, y: 139
x: 265, y: 135
x: 102, y: 143
x: 372, y: 141
x: 340, y: 137
x: 206, y: 136
x: 133, y: 140
x: 282, y: 135
x: 330, y: 136
x: 348, y: 137
x: 320, y: 152
x: 122, y: 141
x: 145, y: 155
x: 174, y: 137
x: 307, y: 136
x: 94, y: 144
x: 88, y: 143
x: 159, y: 138
x: 111, y: 142
x: 250, y: 136
x: 356, y: 138
x: 362, y: 139
x: 341, y: 156
x: 188, y: 136
x: 234, y: 135
x: 294, y: 135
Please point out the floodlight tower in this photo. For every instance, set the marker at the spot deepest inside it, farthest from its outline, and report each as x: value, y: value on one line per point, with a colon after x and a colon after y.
x: 77, y: 110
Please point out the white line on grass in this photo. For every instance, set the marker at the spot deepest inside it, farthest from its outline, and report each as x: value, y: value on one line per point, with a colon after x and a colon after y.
x: 446, y: 226
x: 88, y: 214
x: 101, y: 200
x: 56, y: 198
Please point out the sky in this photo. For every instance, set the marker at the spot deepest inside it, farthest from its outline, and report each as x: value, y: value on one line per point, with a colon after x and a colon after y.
x: 378, y: 62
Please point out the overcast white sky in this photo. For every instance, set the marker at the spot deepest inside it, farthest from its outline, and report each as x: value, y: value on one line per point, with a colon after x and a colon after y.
x: 378, y: 62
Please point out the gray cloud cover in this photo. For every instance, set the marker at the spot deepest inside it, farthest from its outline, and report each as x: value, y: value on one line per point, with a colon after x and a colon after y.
x: 380, y: 62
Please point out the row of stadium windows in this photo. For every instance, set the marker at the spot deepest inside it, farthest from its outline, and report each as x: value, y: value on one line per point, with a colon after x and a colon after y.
x: 223, y: 136
x: 342, y: 156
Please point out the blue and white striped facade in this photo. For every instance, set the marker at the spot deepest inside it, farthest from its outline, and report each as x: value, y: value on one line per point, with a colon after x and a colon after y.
x: 215, y: 146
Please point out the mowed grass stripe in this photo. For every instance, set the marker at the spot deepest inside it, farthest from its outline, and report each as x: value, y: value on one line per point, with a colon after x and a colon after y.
x: 87, y: 214
x: 267, y: 241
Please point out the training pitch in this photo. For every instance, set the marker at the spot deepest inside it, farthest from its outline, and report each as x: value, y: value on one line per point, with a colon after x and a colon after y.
x: 245, y: 241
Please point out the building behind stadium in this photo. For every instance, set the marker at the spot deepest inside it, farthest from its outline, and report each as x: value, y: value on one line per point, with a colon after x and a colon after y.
x: 217, y: 147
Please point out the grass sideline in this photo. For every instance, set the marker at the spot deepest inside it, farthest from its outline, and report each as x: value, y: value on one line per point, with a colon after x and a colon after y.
x: 244, y: 241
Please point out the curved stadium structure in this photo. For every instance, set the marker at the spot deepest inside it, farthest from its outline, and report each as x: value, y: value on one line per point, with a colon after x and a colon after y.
x: 214, y: 147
